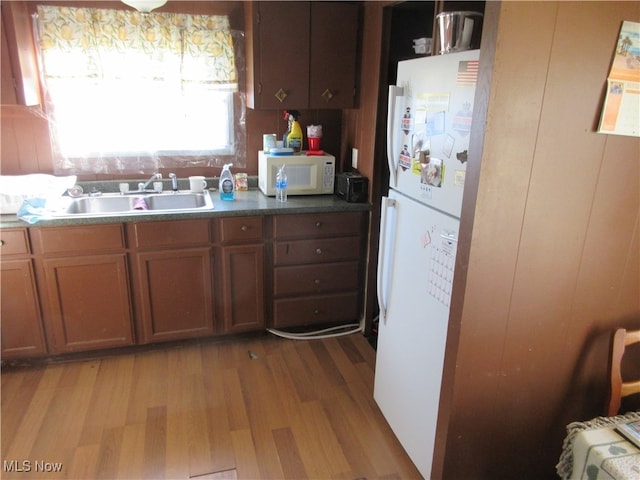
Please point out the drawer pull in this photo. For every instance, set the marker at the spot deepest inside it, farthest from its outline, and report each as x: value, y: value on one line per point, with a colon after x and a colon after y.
x: 318, y: 224
x: 318, y: 251
x: 317, y: 281
x: 316, y: 312
x: 244, y: 228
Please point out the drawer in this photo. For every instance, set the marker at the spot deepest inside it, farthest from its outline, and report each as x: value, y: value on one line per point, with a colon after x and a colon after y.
x: 78, y: 239
x: 179, y: 233
x: 240, y: 229
x: 317, y: 225
x: 312, y: 279
x: 14, y: 242
x: 321, y: 250
x: 290, y: 312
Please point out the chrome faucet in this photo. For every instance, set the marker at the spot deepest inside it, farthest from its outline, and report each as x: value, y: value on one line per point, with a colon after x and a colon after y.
x: 143, y: 186
x: 174, y: 182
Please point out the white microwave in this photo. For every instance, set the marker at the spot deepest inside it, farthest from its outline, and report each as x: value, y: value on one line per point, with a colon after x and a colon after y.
x: 306, y: 174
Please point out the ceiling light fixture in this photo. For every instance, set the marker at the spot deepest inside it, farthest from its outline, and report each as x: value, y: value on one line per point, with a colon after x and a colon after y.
x: 144, y: 6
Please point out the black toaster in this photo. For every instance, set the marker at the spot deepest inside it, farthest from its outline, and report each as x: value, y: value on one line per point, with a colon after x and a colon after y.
x: 352, y: 187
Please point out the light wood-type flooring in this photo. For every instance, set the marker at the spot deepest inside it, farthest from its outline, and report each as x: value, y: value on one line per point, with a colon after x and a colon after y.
x: 248, y: 408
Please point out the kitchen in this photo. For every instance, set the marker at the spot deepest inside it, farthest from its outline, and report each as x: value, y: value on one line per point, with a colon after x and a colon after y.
x: 532, y: 314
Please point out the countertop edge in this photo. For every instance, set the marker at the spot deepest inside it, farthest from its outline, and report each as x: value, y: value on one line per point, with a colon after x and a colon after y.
x: 246, y: 203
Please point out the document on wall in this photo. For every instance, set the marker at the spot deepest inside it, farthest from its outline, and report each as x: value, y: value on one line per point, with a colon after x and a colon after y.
x: 621, y: 111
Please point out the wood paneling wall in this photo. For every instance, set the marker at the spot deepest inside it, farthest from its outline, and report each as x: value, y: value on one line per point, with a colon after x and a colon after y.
x: 549, y: 257
x: 552, y: 245
x: 25, y: 141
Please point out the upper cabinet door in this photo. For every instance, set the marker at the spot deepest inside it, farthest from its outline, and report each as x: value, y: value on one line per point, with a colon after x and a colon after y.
x: 19, y: 65
x: 280, y: 55
x: 301, y: 54
x: 333, y: 57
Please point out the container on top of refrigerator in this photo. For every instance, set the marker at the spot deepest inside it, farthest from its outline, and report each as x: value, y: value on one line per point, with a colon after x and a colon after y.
x: 422, y: 46
x: 459, y: 31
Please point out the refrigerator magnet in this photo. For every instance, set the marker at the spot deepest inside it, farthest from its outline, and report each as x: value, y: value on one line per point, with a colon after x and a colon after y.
x: 432, y: 173
x: 406, y: 122
x: 404, y: 159
x: 449, y: 142
x: 462, y: 120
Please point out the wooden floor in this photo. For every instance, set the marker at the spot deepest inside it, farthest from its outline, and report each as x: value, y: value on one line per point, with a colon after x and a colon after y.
x: 251, y: 408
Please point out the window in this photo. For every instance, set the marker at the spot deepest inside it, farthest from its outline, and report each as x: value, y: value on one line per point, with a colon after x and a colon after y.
x: 128, y: 91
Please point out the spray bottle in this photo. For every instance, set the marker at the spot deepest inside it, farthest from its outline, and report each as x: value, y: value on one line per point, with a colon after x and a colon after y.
x: 226, y: 183
x: 294, y: 134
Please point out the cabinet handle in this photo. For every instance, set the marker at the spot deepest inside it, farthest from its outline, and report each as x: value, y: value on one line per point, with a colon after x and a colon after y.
x: 281, y: 95
x: 318, y: 224
x: 1, y: 243
x: 316, y: 312
x: 318, y: 251
x: 244, y: 228
x: 327, y: 95
x: 317, y: 281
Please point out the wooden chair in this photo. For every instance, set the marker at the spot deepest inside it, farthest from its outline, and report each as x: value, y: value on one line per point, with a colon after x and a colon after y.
x: 619, y: 389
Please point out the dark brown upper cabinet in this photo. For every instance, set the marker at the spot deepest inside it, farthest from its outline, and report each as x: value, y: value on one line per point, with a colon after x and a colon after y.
x: 19, y: 70
x: 302, y: 55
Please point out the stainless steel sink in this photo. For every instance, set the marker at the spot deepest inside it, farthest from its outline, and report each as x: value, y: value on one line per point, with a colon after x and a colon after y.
x: 136, y: 204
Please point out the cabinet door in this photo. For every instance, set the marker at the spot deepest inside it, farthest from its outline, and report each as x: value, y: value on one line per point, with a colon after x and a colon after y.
x: 281, y: 55
x: 333, y: 57
x: 21, y: 322
x: 243, y: 288
x: 87, y: 303
x: 175, y: 294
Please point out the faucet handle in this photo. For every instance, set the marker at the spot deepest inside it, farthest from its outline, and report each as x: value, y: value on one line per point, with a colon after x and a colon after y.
x: 174, y: 182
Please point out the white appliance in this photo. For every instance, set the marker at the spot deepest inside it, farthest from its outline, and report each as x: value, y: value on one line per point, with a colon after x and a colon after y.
x: 306, y: 174
x: 428, y: 128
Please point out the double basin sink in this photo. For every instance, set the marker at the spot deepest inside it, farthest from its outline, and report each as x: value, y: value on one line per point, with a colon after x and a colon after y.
x: 111, y: 204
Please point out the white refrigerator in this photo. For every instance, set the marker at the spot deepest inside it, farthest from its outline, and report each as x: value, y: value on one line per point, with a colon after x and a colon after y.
x: 428, y: 126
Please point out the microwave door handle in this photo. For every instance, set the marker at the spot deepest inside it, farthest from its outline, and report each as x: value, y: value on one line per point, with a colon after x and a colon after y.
x: 394, y: 93
x: 385, y: 252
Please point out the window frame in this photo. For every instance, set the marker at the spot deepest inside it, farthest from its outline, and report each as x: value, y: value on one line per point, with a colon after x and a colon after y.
x: 135, y: 162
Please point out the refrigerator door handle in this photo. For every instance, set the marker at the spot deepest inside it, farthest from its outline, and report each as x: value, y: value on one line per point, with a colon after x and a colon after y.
x: 394, y: 93
x: 384, y: 252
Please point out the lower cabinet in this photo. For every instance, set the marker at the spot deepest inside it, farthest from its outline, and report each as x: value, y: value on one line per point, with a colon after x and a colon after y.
x: 84, y: 287
x: 173, y: 279
x: 19, y: 310
x: 88, y: 304
x: 242, y: 287
x: 20, y: 316
x: 317, y: 270
x: 87, y: 287
x: 174, y: 294
x: 241, y: 273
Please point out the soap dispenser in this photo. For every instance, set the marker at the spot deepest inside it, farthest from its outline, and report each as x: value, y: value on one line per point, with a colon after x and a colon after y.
x: 226, y: 183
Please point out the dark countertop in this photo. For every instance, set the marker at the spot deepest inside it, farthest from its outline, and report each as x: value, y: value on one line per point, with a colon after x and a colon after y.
x: 252, y: 202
